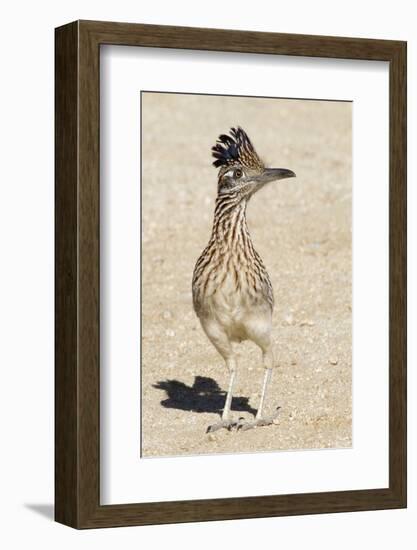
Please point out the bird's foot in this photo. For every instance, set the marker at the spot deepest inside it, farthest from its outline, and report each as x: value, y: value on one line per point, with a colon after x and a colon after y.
x: 227, y: 424
x: 258, y: 422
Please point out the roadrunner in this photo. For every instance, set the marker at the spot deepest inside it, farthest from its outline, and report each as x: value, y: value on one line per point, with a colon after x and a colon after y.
x: 232, y: 292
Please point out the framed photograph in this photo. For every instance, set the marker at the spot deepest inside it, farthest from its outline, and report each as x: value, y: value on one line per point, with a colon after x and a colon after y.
x: 230, y: 274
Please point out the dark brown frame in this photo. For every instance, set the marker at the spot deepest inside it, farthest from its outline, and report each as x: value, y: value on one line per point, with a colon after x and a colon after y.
x: 77, y: 372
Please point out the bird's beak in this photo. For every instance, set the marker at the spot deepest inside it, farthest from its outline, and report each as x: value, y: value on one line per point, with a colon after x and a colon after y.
x: 274, y: 174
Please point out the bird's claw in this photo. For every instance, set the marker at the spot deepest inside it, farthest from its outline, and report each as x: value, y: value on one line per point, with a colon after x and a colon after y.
x: 243, y: 426
x: 227, y: 424
x: 258, y: 422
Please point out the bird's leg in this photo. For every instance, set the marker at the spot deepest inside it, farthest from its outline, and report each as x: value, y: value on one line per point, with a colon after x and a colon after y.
x: 267, y: 378
x: 226, y: 421
x: 228, y: 403
x: 259, y: 419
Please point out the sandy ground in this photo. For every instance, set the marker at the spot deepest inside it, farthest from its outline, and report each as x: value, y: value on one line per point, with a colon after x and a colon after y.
x: 302, y: 230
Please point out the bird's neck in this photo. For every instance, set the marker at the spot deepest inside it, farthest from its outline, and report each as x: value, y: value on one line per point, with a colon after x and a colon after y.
x: 229, y: 224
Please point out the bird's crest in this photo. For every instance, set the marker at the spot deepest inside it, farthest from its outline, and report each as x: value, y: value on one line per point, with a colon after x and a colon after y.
x: 236, y: 149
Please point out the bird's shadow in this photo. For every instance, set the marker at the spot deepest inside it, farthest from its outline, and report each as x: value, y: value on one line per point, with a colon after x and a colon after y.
x: 204, y: 396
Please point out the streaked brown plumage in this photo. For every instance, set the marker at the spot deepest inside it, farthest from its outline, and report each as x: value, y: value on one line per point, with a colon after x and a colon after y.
x: 232, y: 292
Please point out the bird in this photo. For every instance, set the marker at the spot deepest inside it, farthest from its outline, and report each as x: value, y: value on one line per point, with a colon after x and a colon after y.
x: 231, y: 289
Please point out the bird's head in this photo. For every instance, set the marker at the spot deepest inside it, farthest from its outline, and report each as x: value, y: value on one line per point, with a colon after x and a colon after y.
x: 241, y: 169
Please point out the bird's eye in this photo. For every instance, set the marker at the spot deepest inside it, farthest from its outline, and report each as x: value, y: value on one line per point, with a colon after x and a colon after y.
x: 238, y: 173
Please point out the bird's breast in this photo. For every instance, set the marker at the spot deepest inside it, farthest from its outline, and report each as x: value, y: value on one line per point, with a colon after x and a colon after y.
x: 230, y: 299
x: 230, y: 281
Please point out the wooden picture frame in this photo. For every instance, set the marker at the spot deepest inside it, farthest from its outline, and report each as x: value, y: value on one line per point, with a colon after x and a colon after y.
x: 77, y: 374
